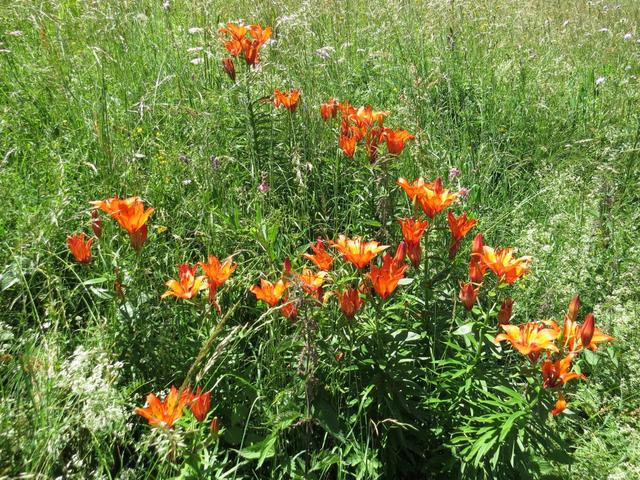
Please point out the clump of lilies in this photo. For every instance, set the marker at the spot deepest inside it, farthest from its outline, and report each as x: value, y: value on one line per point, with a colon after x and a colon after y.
x: 560, y: 347
x: 165, y: 413
x: 365, y: 125
x: 188, y: 285
x: 243, y: 40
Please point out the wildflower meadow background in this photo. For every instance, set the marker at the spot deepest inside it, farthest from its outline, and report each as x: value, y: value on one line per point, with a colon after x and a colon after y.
x: 320, y: 239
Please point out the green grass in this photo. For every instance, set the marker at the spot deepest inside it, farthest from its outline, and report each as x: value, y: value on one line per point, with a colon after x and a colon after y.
x: 98, y: 98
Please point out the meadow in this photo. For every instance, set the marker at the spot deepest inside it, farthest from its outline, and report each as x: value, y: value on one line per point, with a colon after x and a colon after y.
x: 523, y: 119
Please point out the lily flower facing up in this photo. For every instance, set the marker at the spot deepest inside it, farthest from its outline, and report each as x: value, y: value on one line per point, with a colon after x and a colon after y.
x: 187, y: 286
x: 311, y: 282
x: 80, y: 247
x: 130, y: 213
x: 434, y: 198
x: 348, y: 144
x: 199, y: 404
x: 329, y: 109
x: 268, y: 292
x: 459, y: 228
x: 560, y: 406
x: 468, y: 295
x: 502, y: 262
x: 504, y: 315
x: 385, y: 279
x: 358, y: 251
x: 531, y: 338
x: 320, y: 256
x: 288, y: 100
x: 558, y: 373
x: 164, y: 413
x: 217, y: 274
x: 412, y: 189
x: 412, y: 231
x: 350, y: 300
x: 396, y: 140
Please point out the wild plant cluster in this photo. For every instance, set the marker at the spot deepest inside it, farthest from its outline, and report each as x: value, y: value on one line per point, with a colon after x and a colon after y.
x: 392, y: 352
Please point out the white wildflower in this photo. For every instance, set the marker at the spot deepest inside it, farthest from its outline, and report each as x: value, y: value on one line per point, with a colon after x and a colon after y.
x: 194, y: 30
x: 197, y: 61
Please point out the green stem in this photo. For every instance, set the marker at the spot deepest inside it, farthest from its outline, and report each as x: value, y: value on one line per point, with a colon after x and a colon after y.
x: 207, y: 347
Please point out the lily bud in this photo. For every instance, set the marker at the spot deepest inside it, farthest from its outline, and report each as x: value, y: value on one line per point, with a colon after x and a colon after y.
x: 504, y: 315
x: 227, y: 64
x: 468, y: 295
x: 587, y: 330
x: 287, y: 267
x: 214, y: 427
x: 478, y: 243
x: 574, y: 306
x: 475, y: 271
x: 401, y: 253
x: 96, y: 223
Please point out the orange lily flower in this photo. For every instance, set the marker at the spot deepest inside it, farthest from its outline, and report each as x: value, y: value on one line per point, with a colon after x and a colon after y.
x: 501, y: 262
x: 358, y: 251
x: 531, y: 338
x: 348, y: 145
x: 251, y: 48
x: 217, y: 273
x: 288, y: 100
x: 269, y: 292
x: 412, y: 231
x: 366, y: 117
x: 164, y: 413
x: 433, y: 198
x: 111, y: 206
x: 574, y: 334
x: 459, y: 228
x: 556, y: 373
x: 237, y: 32
x: 412, y: 189
x: 311, y: 282
x: 385, y: 279
x: 79, y: 247
x: 329, y: 109
x: 560, y: 406
x: 229, y: 67
x: 320, y: 256
x: 130, y: 214
x: 468, y: 295
x: 396, y: 140
x: 350, y: 300
x: 199, y: 404
x: 188, y: 285
x: 504, y: 315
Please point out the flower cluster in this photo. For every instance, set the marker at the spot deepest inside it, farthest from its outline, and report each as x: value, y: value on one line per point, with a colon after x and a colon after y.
x: 165, y: 413
x: 561, y: 346
x: 364, y: 124
x: 188, y: 285
x: 243, y: 39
